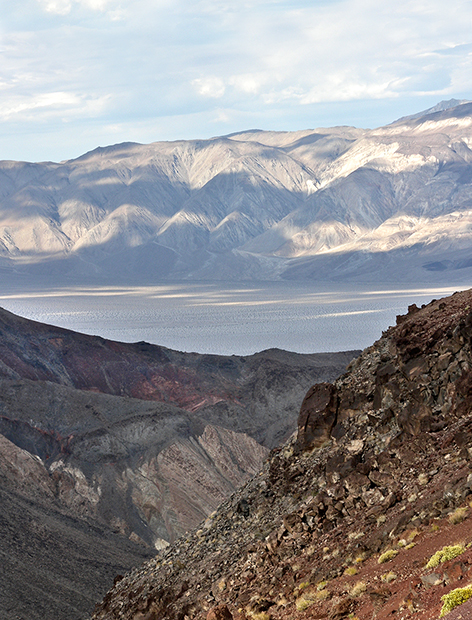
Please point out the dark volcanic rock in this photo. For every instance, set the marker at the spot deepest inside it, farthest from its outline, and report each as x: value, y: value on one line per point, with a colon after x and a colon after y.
x: 317, y: 416
x: 348, y: 526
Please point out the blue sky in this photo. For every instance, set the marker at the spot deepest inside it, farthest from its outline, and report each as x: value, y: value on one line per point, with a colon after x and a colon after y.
x: 76, y: 74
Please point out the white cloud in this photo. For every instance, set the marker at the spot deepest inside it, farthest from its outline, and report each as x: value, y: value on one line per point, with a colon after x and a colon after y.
x: 210, y: 86
x: 138, y: 63
x: 60, y: 7
x: 47, y: 105
x: 350, y: 50
x: 250, y: 83
x: 64, y: 7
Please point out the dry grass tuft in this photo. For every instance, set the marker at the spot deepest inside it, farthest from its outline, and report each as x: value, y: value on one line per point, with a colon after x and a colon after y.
x: 388, y: 555
x: 358, y: 588
x: 458, y: 515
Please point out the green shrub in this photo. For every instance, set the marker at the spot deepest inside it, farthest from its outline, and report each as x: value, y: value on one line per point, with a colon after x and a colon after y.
x: 303, y: 603
x: 454, y: 598
x: 387, y: 556
x: 445, y: 554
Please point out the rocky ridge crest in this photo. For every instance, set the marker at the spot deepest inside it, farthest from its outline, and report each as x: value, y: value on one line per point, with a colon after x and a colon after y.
x: 344, y: 518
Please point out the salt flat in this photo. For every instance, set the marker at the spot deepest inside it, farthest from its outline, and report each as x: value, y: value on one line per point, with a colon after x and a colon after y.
x: 226, y: 318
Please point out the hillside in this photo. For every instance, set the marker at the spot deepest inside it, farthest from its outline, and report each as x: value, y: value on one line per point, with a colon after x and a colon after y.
x: 109, y: 451
x: 343, y: 521
x: 324, y: 204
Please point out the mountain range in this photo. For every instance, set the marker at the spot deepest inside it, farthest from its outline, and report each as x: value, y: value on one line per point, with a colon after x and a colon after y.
x: 392, y: 203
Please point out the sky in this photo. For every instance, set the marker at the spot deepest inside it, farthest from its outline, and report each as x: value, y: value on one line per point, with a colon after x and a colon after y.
x: 77, y: 74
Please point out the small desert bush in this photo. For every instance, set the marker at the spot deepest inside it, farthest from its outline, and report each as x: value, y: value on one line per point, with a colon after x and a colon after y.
x: 458, y: 515
x: 445, y: 554
x: 352, y: 570
x: 312, y: 595
x: 454, y: 598
x: 303, y: 603
x: 358, y: 589
x: 388, y: 577
x: 258, y: 615
x: 387, y: 556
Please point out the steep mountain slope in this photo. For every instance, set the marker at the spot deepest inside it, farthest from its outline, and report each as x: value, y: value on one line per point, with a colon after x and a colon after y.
x: 320, y: 204
x: 53, y: 564
x: 87, y: 467
x: 344, y: 520
x: 147, y: 470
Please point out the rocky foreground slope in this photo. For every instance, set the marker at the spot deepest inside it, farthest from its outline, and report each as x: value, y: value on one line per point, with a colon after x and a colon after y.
x: 111, y: 450
x: 365, y: 513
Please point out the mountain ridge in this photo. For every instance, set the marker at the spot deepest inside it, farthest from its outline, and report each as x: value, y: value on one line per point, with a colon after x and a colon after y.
x: 253, y: 205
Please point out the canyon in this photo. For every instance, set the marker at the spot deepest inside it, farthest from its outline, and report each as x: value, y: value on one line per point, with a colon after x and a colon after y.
x: 110, y: 451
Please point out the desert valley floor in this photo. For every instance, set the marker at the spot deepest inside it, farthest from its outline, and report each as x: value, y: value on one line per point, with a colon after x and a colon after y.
x: 227, y: 318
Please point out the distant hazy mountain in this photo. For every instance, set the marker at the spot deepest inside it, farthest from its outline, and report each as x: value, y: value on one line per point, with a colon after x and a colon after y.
x: 327, y: 203
x: 439, y: 107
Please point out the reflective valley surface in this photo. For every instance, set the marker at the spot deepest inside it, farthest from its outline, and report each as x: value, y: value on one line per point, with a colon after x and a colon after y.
x: 227, y: 318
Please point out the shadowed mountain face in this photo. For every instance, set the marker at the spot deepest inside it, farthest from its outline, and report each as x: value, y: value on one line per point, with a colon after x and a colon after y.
x: 365, y: 513
x: 117, y: 449
x: 53, y: 564
x: 337, y: 203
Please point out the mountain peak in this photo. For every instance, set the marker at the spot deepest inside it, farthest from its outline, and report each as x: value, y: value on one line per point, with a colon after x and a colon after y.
x: 442, y: 106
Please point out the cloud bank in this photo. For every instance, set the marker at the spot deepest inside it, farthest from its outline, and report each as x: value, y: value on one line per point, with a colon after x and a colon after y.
x: 78, y: 73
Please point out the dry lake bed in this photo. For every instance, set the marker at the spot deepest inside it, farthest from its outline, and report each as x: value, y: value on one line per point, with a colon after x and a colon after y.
x: 226, y: 318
